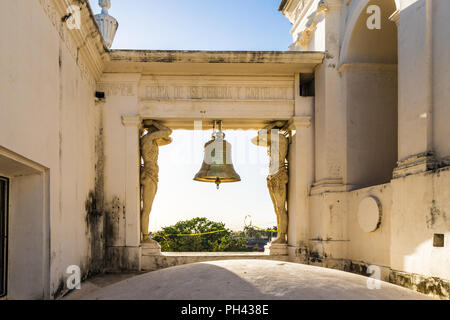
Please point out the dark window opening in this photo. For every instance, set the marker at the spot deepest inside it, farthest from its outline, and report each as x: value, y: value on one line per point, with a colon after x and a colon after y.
x: 100, y: 95
x: 307, y: 88
x: 438, y: 240
x: 3, y: 233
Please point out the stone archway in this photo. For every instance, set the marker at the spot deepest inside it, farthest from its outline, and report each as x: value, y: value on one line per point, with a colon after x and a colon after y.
x: 275, y: 137
x: 369, y: 71
x: 356, y: 23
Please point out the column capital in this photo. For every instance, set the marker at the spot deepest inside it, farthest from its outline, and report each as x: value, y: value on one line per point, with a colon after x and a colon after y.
x: 300, y: 122
x: 132, y: 120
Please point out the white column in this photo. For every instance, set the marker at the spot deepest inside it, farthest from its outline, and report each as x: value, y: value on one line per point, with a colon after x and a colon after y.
x: 301, y: 177
x: 132, y: 184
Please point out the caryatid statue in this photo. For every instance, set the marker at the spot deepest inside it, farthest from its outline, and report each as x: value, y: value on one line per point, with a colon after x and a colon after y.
x: 157, y: 135
x: 277, y: 148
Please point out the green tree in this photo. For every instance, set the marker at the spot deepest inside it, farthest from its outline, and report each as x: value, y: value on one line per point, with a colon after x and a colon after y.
x: 255, y: 233
x: 176, y: 238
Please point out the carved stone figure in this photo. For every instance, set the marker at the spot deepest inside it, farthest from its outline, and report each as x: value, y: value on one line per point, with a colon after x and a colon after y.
x: 277, y: 149
x: 157, y: 135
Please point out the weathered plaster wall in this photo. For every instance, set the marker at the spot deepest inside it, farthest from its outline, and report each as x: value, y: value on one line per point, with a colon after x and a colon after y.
x: 414, y: 206
x: 327, y: 228
x: 121, y: 99
x: 420, y: 209
x: 48, y: 115
x: 370, y: 247
x: 413, y: 209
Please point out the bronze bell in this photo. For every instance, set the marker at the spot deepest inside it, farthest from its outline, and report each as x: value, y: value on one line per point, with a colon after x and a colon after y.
x: 217, y: 166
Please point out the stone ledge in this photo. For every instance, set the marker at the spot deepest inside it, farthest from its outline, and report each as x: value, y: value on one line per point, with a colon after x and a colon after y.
x: 415, y: 164
x: 212, y: 254
x: 171, y: 259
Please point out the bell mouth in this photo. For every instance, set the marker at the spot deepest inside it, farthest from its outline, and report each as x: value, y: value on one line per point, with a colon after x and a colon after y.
x: 217, y: 167
x: 214, y: 179
x: 217, y: 174
x: 217, y: 180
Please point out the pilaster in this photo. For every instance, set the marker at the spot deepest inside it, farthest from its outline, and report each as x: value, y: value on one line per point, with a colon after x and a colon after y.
x: 415, y: 104
x: 132, y: 189
x: 330, y: 111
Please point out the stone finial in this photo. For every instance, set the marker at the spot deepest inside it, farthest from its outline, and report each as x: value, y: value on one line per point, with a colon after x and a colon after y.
x: 105, y: 5
x: 107, y: 24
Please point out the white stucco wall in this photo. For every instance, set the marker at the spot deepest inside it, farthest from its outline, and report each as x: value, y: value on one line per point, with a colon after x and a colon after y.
x: 48, y: 115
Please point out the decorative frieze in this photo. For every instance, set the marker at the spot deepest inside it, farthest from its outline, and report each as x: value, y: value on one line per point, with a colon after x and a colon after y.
x: 216, y: 93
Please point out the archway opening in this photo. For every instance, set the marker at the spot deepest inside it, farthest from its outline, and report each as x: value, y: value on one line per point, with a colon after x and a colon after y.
x: 239, y: 204
x: 370, y: 78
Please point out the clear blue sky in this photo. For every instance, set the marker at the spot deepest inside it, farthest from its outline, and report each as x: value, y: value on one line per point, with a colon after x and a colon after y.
x: 205, y: 25
x: 199, y: 24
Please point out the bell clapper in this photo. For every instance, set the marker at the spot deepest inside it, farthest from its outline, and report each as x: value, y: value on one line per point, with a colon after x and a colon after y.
x: 217, y: 183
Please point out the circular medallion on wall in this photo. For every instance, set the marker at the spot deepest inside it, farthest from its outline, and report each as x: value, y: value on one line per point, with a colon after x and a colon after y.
x: 369, y: 214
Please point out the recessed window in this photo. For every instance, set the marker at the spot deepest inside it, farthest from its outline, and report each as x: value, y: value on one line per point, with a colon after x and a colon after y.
x: 307, y: 88
x: 438, y: 240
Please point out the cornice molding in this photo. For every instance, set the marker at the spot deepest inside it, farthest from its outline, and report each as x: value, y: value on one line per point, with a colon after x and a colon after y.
x: 85, y: 45
x: 329, y: 185
x: 216, y: 57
